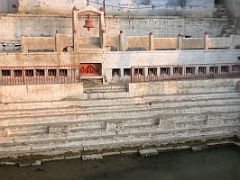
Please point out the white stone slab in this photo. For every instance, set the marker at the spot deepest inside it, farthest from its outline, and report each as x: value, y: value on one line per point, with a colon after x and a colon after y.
x: 148, y: 152
x: 92, y: 157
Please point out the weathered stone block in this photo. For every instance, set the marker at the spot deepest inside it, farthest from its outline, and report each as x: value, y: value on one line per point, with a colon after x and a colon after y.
x: 92, y: 157
x: 148, y: 152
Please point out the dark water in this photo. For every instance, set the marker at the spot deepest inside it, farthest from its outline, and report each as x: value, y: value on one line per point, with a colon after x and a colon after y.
x: 218, y: 163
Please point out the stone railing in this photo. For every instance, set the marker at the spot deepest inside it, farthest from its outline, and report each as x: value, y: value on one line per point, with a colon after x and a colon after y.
x: 66, y: 42
x: 38, y: 44
x: 152, y: 43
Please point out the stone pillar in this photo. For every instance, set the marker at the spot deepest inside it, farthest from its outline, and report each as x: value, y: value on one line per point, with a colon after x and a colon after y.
x: 45, y: 73
x: 24, y: 44
x: 171, y: 70
x: 206, y: 36
x: 75, y: 44
x: 0, y: 75
x: 56, y: 42
x: 57, y: 72
x: 180, y: 42
x: 121, y: 73
x: 74, y: 27
x: 151, y: 42
x: 12, y: 73
x: 230, y: 69
x: 76, y: 74
x: 208, y: 70
x: 103, y: 39
x: 219, y: 69
x: 121, y: 41
x: 34, y: 73
x: 102, y: 30
x: 145, y: 73
x: 183, y: 70
x: 132, y: 74
x: 196, y: 70
x: 158, y: 71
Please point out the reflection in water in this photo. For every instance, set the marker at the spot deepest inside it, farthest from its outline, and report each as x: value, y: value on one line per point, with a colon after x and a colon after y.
x: 220, y: 164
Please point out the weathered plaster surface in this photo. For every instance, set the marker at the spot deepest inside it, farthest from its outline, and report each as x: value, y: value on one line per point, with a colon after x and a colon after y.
x: 183, y: 111
x: 31, y: 25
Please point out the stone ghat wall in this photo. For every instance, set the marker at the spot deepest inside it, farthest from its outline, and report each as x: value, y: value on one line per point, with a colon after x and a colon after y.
x: 9, y: 6
x: 119, y: 7
x: 199, y: 109
x: 233, y: 6
x: 43, y: 25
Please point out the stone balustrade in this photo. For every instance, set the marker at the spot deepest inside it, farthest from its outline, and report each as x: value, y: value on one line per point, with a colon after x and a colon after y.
x: 61, y: 43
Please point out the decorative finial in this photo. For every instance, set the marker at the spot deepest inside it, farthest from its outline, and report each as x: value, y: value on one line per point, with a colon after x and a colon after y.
x: 75, y: 8
x: 101, y: 9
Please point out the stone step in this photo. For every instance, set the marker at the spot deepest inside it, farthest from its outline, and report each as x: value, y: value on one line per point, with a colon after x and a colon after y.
x: 118, y: 141
x: 160, y: 123
x: 153, y: 104
x: 115, y: 115
x: 103, y: 114
x: 87, y: 141
x: 122, y: 99
x: 123, y: 127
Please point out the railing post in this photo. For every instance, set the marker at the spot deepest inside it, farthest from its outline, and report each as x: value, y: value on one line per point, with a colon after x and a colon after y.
x: 230, y: 70
x: 145, y: 73
x: 75, y: 43
x: 132, y: 74
x: 121, y: 73
x: 206, y: 36
x: 24, y: 44
x: 171, y: 70
x: 1, y: 79
x: 56, y: 42
x: 196, y: 70
x: 158, y: 72
x: 151, y: 42
x: 121, y: 41
x: 180, y: 42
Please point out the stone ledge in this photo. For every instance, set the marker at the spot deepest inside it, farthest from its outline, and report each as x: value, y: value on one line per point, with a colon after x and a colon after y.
x: 110, y: 153
x: 92, y: 157
x: 148, y: 152
x: 153, y: 148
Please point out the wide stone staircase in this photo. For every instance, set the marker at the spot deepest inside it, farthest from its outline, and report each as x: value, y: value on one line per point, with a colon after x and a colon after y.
x: 116, y: 120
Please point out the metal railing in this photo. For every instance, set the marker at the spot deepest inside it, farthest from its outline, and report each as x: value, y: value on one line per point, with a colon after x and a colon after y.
x: 23, y: 75
x: 184, y: 72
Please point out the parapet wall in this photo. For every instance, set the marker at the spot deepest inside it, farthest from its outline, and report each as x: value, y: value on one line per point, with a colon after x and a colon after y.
x: 183, y: 87
x: 42, y: 92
